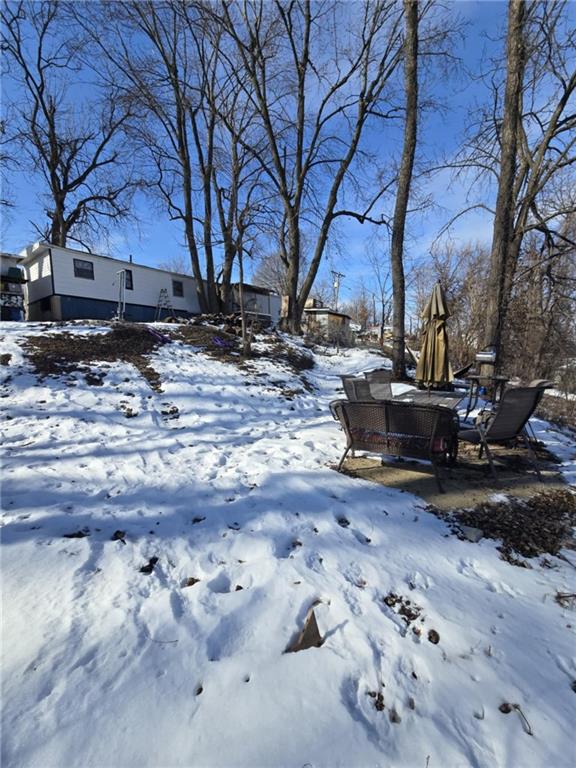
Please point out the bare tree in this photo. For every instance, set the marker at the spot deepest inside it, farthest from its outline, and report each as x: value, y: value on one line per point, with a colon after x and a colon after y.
x: 381, y: 292
x: 290, y: 51
x: 526, y: 142
x: 403, y: 190
x: 71, y: 142
x: 271, y: 273
x: 176, y: 264
x: 7, y: 162
x: 500, y: 257
x: 540, y: 331
x: 168, y: 57
x: 149, y: 53
x: 359, y: 307
x: 463, y: 273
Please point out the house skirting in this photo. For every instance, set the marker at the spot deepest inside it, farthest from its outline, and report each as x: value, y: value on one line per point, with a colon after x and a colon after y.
x: 79, y: 308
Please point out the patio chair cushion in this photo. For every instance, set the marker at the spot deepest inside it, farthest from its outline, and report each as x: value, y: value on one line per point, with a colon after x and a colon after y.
x: 400, y: 444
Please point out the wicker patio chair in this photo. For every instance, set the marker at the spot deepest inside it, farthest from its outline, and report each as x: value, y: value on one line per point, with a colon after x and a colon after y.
x: 380, y: 383
x: 393, y: 428
x: 507, y: 423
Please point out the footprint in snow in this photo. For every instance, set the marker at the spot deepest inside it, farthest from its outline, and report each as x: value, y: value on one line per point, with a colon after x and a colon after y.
x: 361, y: 538
x: 343, y: 522
x: 351, y: 600
x: 287, y: 547
x: 315, y: 562
x: 417, y: 580
x: 357, y: 698
x: 220, y: 584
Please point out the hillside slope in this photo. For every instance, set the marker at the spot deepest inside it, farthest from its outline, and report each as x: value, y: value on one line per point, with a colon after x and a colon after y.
x: 162, y: 546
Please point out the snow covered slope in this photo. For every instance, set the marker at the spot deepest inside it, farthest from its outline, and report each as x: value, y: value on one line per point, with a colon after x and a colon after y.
x: 228, y: 484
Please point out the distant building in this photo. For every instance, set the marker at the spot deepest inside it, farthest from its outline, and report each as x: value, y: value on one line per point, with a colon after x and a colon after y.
x: 67, y: 284
x: 326, y: 322
x: 259, y: 303
x: 372, y: 333
x: 12, y: 288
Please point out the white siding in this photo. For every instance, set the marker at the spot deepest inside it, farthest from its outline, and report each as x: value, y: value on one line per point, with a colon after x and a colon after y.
x: 275, y: 304
x: 147, y: 282
x: 39, y: 276
x: 260, y: 303
x: 264, y: 305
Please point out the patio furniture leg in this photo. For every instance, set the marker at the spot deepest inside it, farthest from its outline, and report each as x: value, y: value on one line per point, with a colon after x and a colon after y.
x: 437, y: 475
x: 532, y: 455
x: 531, y: 433
x: 452, y: 453
x: 489, y: 457
x: 472, y: 397
x: 343, y: 458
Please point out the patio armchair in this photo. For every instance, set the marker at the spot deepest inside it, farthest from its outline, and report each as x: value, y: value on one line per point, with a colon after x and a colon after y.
x: 506, y: 424
x: 380, y: 383
x: 356, y: 388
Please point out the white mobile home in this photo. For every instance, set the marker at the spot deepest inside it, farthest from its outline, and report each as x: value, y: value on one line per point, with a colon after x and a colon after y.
x: 66, y: 284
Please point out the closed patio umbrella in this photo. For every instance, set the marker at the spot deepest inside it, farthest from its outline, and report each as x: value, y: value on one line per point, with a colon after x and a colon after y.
x: 434, y: 369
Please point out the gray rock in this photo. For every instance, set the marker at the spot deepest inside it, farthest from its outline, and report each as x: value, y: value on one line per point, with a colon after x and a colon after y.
x: 471, y: 534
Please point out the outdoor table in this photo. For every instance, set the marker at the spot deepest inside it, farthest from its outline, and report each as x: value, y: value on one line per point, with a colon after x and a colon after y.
x: 432, y: 397
x: 496, y: 383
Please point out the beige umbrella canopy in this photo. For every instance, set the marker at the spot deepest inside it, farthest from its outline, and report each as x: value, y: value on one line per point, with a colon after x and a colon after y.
x: 434, y: 369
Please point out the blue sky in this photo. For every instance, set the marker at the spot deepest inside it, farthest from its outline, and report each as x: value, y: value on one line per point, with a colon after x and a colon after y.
x: 155, y: 239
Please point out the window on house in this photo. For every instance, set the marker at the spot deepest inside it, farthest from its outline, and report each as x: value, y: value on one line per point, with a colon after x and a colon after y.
x: 83, y: 269
x: 177, y: 288
x: 129, y: 284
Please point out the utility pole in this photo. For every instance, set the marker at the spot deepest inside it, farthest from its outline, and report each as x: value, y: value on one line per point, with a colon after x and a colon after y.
x: 337, y: 277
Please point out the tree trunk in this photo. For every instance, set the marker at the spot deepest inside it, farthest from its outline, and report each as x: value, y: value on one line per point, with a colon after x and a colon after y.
x: 501, y: 257
x: 292, y: 322
x: 403, y: 192
x: 229, y: 254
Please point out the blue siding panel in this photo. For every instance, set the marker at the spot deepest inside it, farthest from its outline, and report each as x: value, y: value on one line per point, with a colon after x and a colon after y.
x: 77, y: 308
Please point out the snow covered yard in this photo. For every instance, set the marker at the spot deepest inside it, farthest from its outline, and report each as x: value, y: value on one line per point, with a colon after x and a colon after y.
x: 226, y: 479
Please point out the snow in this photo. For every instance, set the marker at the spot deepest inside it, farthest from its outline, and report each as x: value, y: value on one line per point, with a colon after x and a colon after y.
x: 104, y: 666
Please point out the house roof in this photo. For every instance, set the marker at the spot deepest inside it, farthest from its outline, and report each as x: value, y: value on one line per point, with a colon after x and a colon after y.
x: 36, y: 249
x: 256, y: 289
x: 325, y: 311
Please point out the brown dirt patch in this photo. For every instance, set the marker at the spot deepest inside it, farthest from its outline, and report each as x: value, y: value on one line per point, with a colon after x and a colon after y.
x: 295, y: 360
x: 63, y: 353
x: 210, y: 339
x: 528, y: 528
